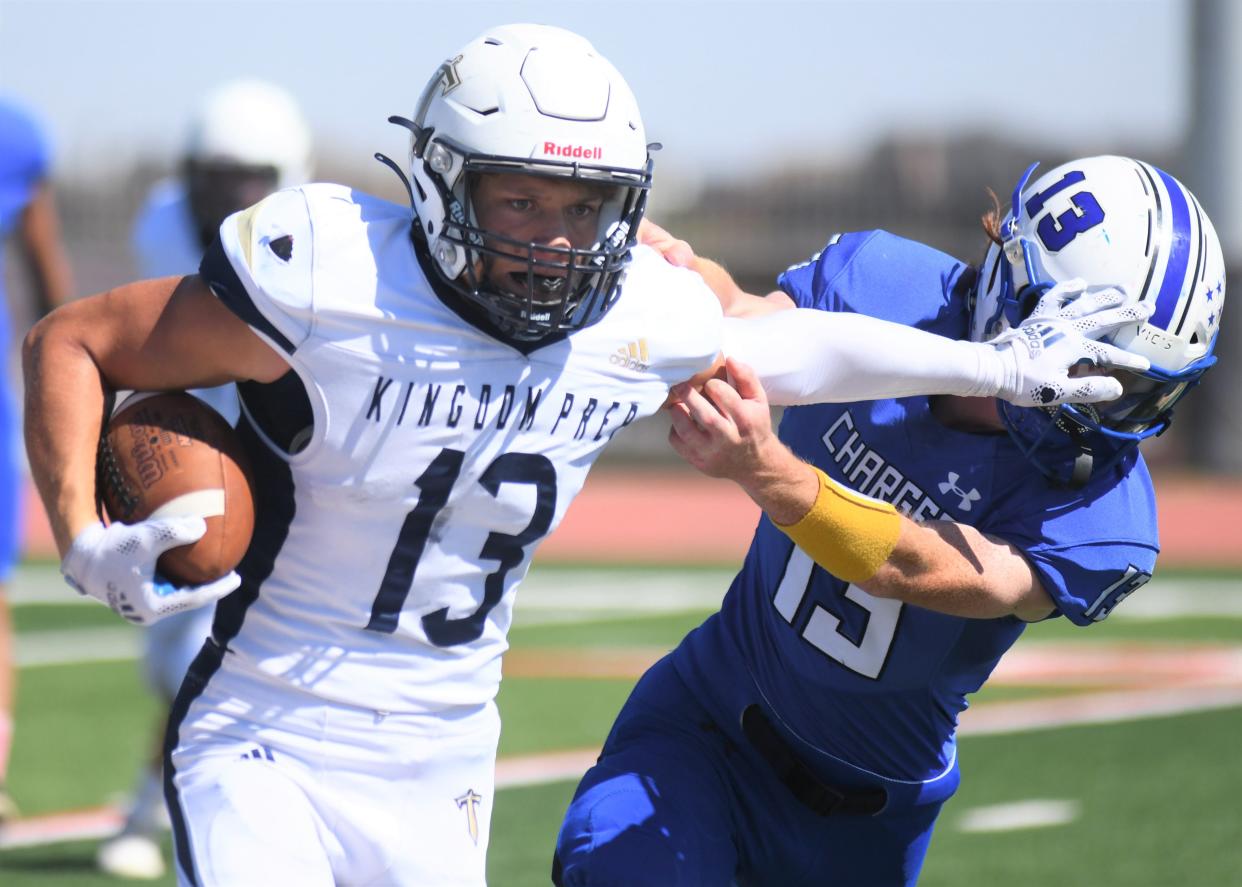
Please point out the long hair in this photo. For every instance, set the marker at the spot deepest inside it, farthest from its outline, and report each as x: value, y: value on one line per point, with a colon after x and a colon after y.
x: 991, y: 220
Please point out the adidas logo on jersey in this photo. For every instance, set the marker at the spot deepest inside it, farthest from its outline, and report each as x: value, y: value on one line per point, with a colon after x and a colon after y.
x: 633, y: 356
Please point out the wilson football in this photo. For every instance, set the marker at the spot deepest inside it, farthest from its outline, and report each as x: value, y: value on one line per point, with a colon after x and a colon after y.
x: 166, y: 454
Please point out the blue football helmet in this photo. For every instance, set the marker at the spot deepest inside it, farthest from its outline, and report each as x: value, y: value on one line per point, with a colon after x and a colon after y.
x: 1110, y: 221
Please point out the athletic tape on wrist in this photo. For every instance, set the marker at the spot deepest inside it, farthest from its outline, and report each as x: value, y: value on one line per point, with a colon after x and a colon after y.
x: 849, y: 535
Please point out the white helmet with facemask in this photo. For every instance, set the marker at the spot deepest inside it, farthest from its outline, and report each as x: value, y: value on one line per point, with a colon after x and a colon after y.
x: 247, y: 139
x: 1110, y: 221
x: 541, y: 101
x: 252, y: 123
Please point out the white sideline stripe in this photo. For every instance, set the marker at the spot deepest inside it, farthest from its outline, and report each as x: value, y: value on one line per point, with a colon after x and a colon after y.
x: 564, y: 766
x: 564, y: 595
x: 1024, y: 664
x: 1018, y: 815
x: 568, y: 595
x: 200, y: 503
x: 77, y: 645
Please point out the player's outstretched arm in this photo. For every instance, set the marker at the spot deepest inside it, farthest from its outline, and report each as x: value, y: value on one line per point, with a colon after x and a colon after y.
x: 726, y: 431
x: 152, y: 335
x: 808, y: 356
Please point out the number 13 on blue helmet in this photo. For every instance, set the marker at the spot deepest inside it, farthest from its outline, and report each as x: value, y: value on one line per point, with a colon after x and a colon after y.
x: 1113, y: 221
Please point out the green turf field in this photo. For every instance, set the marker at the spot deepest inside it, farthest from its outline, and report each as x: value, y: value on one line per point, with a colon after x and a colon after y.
x: 1148, y: 802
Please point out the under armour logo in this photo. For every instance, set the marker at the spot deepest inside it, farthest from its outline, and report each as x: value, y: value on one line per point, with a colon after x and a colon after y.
x: 950, y: 486
x: 471, y: 801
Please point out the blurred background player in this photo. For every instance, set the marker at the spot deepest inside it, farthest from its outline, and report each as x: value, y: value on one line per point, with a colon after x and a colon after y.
x: 28, y: 214
x: 248, y: 138
x: 806, y: 733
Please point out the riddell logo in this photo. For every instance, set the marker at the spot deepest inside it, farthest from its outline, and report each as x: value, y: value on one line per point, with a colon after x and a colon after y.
x: 583, y: 151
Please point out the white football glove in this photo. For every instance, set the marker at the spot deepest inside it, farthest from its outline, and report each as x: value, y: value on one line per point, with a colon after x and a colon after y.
x: 1059, y: 335
x: 116, y: 566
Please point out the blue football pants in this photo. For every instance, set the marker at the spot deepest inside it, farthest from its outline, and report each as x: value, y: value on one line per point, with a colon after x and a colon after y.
x: 676, y: 800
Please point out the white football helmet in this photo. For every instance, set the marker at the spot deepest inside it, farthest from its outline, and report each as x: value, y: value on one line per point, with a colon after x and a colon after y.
x: 1110, y: 221
x: 252, y: 123
x: 536, y: 100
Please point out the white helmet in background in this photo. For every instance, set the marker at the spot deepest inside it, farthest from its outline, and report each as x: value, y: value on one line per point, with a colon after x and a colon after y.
x: 252, y: 123
x: 536, y: 100
x: 1110, y: 221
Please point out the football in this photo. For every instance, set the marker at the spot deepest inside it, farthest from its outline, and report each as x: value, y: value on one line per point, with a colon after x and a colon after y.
x: 168, y: 453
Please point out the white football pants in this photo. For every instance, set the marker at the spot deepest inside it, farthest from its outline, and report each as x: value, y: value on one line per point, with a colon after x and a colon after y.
x: 275, y: 787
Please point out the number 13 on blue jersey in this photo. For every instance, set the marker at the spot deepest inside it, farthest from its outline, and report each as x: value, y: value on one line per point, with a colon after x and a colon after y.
x: 822, y: 628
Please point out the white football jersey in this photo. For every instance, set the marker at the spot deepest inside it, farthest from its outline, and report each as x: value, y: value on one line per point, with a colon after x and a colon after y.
x: 384, y: 567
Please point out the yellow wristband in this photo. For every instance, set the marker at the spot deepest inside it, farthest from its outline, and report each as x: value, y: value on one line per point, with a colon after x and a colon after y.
x: 849, y: 535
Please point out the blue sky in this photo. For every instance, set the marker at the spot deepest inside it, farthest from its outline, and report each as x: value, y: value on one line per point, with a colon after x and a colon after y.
x: 723, y: 84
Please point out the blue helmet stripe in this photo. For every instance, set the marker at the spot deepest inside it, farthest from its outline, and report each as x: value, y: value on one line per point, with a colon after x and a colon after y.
x: 1179, y: 254
x: 1200, y: 258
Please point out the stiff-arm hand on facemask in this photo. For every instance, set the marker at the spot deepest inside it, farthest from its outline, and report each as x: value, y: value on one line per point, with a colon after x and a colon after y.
x: 808, y: 356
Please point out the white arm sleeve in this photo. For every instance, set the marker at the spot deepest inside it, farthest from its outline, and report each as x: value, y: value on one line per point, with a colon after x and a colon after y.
x: 805, y: 356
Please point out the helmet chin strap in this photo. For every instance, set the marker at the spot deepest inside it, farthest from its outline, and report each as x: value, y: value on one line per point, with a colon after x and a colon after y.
x: 1081, y: 472
x: 1095, y: 454
x: 1017, y: 194
x: 391, y: 164
x: 420, y: 139
x: 1018, y: 252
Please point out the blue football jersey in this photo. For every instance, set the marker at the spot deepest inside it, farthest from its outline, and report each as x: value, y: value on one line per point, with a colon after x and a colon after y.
x: 878, y: 684
x: 23, y: 163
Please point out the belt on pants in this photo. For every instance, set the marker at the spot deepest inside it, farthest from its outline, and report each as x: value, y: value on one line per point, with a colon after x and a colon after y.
x: 812, y: 792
